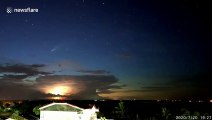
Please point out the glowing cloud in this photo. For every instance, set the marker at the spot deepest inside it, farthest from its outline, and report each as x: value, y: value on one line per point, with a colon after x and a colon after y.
x: 60, y: 90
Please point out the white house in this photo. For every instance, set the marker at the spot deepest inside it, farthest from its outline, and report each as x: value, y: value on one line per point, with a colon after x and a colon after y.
x: 65, y: 111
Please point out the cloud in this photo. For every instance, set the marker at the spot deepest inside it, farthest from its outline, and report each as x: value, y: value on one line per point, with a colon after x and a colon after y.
x: 5, y: 76
x: 80, y: 87
x: 61, y: 66
x: 154, y: 88
x: 14, y: 89
x: 29, y: 70
x: 194, y: 86
x: 94, y: 72
x: 21, y: 81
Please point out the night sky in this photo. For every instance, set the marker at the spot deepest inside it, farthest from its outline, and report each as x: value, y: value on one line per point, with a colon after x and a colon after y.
x: 106, y: 49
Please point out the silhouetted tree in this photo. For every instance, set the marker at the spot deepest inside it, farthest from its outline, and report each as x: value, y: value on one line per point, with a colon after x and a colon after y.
x: 120, y: 110
x: 36, y: 110
x: 188, y: 113
x: 165, y: 114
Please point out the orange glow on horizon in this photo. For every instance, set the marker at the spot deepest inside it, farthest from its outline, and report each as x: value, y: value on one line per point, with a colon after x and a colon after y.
x: 56, y: 98
x: 59, y: 90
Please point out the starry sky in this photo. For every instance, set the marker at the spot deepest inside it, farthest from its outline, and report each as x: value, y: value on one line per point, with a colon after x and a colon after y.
x: 106, y: 49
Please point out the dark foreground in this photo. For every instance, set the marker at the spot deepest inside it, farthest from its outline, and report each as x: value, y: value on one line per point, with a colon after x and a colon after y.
x: 128, y: 109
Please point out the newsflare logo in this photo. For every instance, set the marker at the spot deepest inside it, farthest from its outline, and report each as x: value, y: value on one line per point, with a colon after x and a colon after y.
x: 9, y: 9
x: 21, y: 10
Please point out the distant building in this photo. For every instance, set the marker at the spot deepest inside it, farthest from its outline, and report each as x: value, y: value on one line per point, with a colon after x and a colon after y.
x: 65, y: 111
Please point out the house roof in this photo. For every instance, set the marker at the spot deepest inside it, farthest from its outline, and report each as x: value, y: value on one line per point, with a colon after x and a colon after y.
x: 61, y: 107
x: 95, y: 109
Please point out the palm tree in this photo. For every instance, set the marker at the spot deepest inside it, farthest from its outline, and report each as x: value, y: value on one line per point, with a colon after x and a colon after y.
x: 120, y: 109
x: 17, y: 117
x: 36, y: 110
x: 1, y: 109
x: 185, y: 112
x: 4, y: 112
x: 188, y: 113
x: 165, y: 114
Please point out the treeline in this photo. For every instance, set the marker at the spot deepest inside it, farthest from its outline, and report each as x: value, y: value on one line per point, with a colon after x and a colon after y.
x: 117, y: 110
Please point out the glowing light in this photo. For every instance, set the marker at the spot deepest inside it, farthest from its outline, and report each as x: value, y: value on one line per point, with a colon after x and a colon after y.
x: 57, y: 98
x: 60, y: 90
x: 211, y: 101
